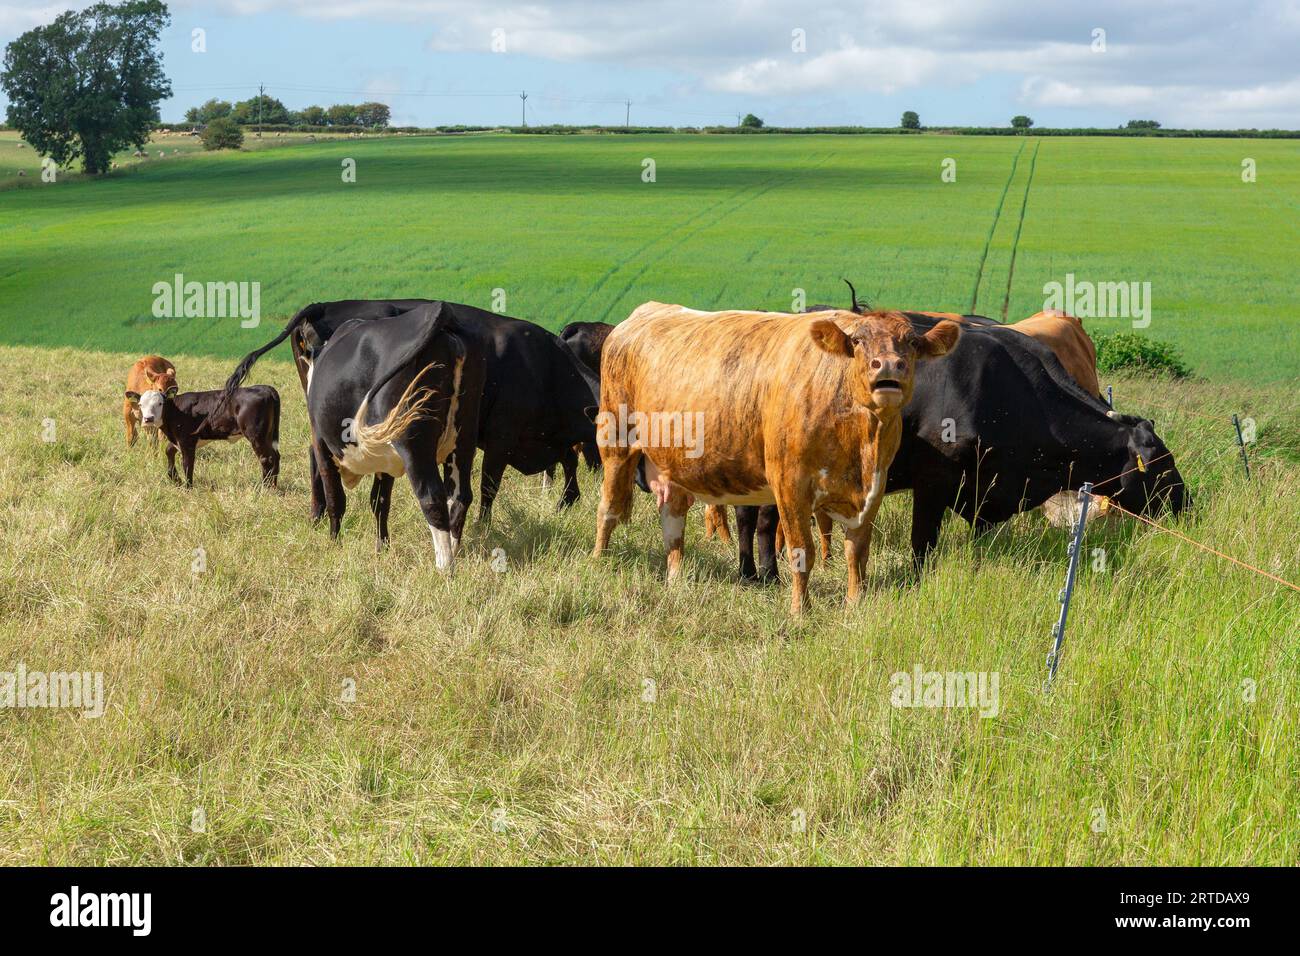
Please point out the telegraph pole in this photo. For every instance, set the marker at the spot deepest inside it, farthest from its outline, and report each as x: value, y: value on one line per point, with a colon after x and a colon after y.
x: 627, y: 120
x: 261, y: 92
x: 523, y: 99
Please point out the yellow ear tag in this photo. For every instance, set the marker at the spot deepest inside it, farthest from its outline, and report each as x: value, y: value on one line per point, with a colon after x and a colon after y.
x: 1103, y: 504
x: 1142, y: 465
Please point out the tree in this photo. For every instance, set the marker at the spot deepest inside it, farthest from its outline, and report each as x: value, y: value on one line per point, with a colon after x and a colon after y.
x: 342, y: 114
x: 223, y: 133
x: 373, y: 114
x: 1143, y: 124
x: 212, y: 109
x: 751, y: 121
x: 88, y: 84
x: 313, y: 116
x: 260, y: 109
x: 1021, y: 122
x: 910, y: 121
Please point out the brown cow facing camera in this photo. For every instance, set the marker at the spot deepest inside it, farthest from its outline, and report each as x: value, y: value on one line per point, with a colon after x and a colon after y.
x: 151, y: 373
x: 188, y: 422
x: 744, y: 408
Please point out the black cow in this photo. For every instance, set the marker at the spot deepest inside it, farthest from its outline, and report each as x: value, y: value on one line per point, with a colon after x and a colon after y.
x: 535, y: 392
x: 1022, y: 430
x: 194, y: 419
x: 399, y: 395
x: 586, y: 340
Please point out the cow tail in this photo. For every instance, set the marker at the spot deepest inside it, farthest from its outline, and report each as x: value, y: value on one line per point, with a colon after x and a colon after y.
x: 274, y: 435
x: 411, y: 406
x: 853, y: 293
x: 409, y: 409
x: 246, y: 363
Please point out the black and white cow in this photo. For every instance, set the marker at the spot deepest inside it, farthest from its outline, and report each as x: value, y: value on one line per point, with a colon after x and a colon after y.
x: 398, y: 396
x: 536, y: 393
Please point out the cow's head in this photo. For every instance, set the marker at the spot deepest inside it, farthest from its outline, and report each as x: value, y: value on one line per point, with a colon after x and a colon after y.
x: 1152, y: 481
x: 151, y: 404
x: 884, y: 350
x: 163, y: 381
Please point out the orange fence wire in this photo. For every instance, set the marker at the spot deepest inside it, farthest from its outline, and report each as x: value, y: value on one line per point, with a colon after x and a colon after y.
x: 1106, y: 503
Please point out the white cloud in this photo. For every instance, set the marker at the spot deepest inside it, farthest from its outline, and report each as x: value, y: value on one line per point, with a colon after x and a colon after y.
x: 16, y: 18
x: 1183, y: 60
x: 1262, y: 106
x: 880, y: 71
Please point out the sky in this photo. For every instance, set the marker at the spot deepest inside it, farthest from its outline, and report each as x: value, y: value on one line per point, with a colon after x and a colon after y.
x: 1191, y: 63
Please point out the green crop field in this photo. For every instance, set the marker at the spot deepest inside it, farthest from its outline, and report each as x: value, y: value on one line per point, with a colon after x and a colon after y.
x: 566, y: 227
x: 275, y: 698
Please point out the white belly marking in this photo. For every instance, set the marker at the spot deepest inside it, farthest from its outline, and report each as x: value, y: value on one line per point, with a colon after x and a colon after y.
x: 868, y: 503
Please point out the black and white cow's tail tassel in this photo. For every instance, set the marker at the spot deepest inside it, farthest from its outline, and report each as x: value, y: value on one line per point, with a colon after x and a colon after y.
x: 410, y: 408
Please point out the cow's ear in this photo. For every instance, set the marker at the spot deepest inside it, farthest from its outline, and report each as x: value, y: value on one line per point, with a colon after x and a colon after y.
x: 831, y: 338
x: 940, y: 340
x: 171, y: 391
x: 132, y: 396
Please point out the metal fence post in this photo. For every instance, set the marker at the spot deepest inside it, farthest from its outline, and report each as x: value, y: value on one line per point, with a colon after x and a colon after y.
x: 1076, y: 548
x: 1245, y: 462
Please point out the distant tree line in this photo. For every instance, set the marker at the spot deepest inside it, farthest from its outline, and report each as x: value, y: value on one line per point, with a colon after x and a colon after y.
x: 269, y: 111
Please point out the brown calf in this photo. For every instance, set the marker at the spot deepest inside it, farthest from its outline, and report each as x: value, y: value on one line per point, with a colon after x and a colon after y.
x: 151, y: 373
x: 803, y: 411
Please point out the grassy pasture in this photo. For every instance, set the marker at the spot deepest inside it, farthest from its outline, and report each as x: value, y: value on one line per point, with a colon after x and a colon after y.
x: 568, y: 229
x: 518, y: 696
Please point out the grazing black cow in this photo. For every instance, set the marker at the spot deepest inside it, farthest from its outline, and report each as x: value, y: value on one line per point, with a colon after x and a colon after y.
x: 396, y: 396
x: 535, y: 392
x: 193, y: 419
x: 1021, y: 430
x: 586, y: 340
